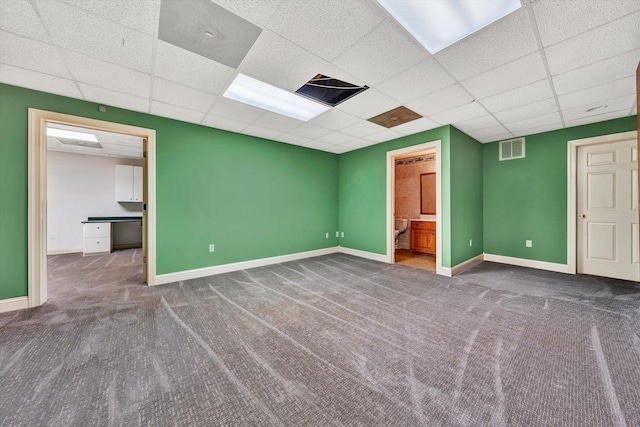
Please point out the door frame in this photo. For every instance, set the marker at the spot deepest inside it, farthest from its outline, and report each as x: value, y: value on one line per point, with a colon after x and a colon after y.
x: 37, y: 193
x: 572, y: 189
x: 437, y: 145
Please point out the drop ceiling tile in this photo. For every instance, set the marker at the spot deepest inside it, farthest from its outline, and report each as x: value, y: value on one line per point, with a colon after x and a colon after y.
x: 503, y: 41
x: 387, y: 41
x: 113, y: 98
x: 336, y: 138
x: 535, y: 109
x: 259, y: 12
x: 613, y: 104
x: 326, y: 27
x: 95, y: 72
x: 337, y: 149
x: 18, y: 16
x: 309, y: 130
x: 367, y: 104
x: 33, y: 80
x: 383, y: 135
x: 261, y: 132
x: 357, y: 144
x: 539, y: 129
x: 473, y: 125
x: 593, y: 96
x: 225, y: 107
x: 518, y: 73
x: 318, y: 145
x: 361, y: 129
x: 182, y: 96
x: 604, y: 42
x: 190, y: 69
x: 495, y: 138
x: 292, y: 139
x: 120, y: 147
x: 597, y: 74
x: 491, y: 133
x: 421, y: 80
x: 100, y: 38
x: 597, y: 118
x: 224, y: 123
x: 334, y: 119
x: 554, y: 27
x: 275, y: 121
x: 523, y: 95
x: 280, y: 62
x: 442, y: 100
x: 41, y: 57
x: 415, y: 126
x: 177, y: 113
x: 462, y: 113
x: 139, y: 15
x: 552, y: 119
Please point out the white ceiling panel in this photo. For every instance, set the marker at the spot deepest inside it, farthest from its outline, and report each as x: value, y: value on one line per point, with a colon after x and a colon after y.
x: 624, y: 103
x: 259, y: 12
x: 518, y: 73
x: 442, y: 100
x: 383, y: 135
x: 490, y: 134
x: 33, y: 80
x: 508, y: 39
x: 309, y: 130
x: 224, y: 123
x: 318, y: 145
x: 261, y: 132
x: 19, y: 17
x: 535, y: 109
x: 334, y: 119
x: 594, y: 95
x: 187, y: 68
x: 551, y: 120
x: 336, y: 138
x: 539, y: 129
x: 597, y: 74
x: 415, y: 126
x: 99, y: 37
x: 337, y: 149
x: 113, y: 98
x: 340, y: 24
x: 368, y: 104
x: 358, y: 143
x: 280, y: 62
x: 361, y: 129
x: 554, y: 25
x: 462, y: 113
x: 421, y: 80
x: 177, y: 113
x: 139, y: 15
x: 43, y: 58
x: 182, y: 96
x: 292, y: 139
x: 612, y: 39
x: 522, y: 95
x: 225, y: 107
x: 477, y: 124
x: 277, y: 122
x: 95, y: 72
x: 598, y: 118
x: 387, y: 41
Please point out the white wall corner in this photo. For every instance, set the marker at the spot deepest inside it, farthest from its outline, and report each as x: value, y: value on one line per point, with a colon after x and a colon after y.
x: 522, y: 262
x: 11, y: 304
x: 363, y: 254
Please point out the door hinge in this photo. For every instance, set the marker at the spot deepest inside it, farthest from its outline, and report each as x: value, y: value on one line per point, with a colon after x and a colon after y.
x: 144, y: 206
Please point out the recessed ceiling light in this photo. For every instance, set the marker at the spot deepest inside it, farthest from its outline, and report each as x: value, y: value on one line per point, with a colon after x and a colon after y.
x: 263, y: 95
x: 69, y: 134
x: 437, y: 24
x: 598, y: 108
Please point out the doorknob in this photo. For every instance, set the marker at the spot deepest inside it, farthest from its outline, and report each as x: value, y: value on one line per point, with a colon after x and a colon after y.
x: 583, y: 216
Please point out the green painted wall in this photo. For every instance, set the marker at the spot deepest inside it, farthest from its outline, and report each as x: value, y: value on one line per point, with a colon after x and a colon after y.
x: 251, y: 197
x: 527, y: 198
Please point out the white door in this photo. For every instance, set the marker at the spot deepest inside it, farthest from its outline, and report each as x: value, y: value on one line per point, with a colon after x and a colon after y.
x: 608, y: 210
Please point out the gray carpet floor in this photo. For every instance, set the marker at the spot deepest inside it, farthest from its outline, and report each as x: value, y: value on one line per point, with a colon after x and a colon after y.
x: 333, y: 340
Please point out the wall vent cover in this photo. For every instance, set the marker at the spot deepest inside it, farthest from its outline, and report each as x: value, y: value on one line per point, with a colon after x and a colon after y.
x: 511, y: 149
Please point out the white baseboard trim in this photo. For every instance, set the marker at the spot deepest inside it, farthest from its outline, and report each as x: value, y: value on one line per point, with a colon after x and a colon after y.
x: 522, y: 262
x: 363, y: 254
x: 11, y: 304
x: 64, y: 251
x: 459, y: 268
x: 162, y: 279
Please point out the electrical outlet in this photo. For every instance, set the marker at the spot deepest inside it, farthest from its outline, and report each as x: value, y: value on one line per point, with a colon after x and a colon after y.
x: 470, y: 242
x: 212, y: 247
x: 342, y: 234
x: 337, y: 234
x: 528, y: 243
x: 327, y: 235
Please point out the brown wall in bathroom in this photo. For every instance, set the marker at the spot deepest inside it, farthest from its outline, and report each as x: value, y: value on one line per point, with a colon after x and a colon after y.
x: 408, y: 188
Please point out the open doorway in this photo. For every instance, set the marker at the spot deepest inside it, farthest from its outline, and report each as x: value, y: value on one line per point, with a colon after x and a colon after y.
x: 39, y: 122
x: 414, y: 197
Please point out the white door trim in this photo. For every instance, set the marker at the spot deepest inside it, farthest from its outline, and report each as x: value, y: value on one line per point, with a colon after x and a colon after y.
x: 572, y: 185
x: 391, y: 198
x: 37, y: 194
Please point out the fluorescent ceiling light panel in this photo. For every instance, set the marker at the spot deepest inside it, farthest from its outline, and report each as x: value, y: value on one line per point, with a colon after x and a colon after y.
x: 262, y: 95
x: 437, y: 24
x: 69, y: 134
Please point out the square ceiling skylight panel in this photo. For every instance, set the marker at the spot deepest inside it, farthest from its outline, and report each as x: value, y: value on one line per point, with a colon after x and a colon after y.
x: 437, y: 24
x: 329, y: 91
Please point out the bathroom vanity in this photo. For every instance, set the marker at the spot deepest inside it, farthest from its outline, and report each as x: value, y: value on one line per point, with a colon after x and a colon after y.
x: 423, y: 237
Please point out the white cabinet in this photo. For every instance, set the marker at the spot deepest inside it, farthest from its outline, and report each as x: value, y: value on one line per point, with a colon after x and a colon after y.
x: 97, y: 238
x: 128, y: 183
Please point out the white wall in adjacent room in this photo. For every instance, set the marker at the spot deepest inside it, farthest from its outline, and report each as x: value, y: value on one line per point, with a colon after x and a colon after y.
x: 80, y: 186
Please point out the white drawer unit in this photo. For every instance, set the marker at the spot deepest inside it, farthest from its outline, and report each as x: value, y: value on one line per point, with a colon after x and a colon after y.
x: 97, y: 238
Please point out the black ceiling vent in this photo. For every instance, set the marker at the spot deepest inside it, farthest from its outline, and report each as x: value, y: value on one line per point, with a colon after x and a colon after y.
x: 329, y: 91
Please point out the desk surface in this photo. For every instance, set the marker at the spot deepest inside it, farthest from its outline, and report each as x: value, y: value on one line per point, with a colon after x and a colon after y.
x: 112, y: 219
